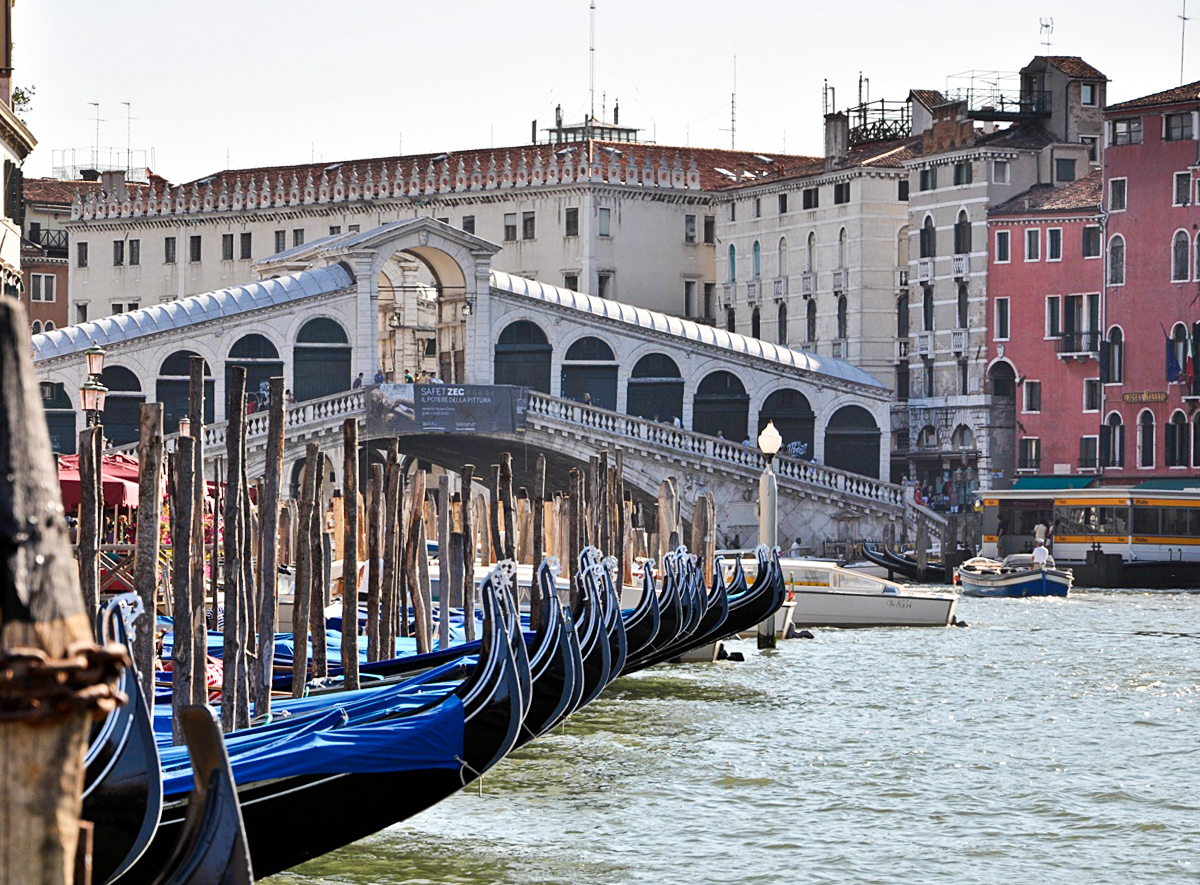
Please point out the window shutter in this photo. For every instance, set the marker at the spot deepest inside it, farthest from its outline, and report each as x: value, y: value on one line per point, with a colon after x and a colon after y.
x: 1105, y: 362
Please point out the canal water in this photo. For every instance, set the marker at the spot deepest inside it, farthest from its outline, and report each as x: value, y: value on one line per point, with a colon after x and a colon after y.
x: 1050, y: 741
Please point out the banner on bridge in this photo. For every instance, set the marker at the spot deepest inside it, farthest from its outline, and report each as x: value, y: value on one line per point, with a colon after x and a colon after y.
x: 444, y: 408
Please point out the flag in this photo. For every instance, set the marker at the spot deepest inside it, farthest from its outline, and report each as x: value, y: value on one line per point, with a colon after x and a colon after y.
x: 1174, y: 370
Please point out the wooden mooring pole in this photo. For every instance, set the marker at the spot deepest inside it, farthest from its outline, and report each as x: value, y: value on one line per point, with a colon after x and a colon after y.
x: 350, y: 554
x: 268, y: 548
x: 145, y: 570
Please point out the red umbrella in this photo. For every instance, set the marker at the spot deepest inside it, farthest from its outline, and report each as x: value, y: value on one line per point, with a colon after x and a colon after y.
x: 119, y: 476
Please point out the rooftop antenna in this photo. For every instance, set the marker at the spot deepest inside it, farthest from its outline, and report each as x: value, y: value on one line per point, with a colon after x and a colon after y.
x: 1183, y: 20
x: 733, y: 110
x: 128, y: 138
x: 1047, y: 28
x: 592, y: 65
x: 96, y: 149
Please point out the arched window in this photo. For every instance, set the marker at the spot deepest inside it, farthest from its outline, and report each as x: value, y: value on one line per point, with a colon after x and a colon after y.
x: 172, y: 389
x: 321, y: 360
x: 843, y: 248
x: 655, y: 389
x: 49, y: 327
x: 841, y: 317
x: 902, y: 316
x: 811, y: 253
x: 962, y: 305
x: 782, y: 330
x: 1146, y: 439
x: 1116, y: 355
x: 755, y: 324
x: 589, y: 373
x: 1112, y: 442
x: 1116, y: 261
x: 757, y: 261
x: 810, y: 328
x: 1177, y: 440
x: 783, y: 270
x: 928, y: 238
x: 962, y: 233
x: 927, y: 307
x: 37, y: 327
x: 730, y: 320
x: 1196, y: 440
x: 1179, y: 257
x: 522, y: 356
x: 732, y: 264
x: 1179, y: 350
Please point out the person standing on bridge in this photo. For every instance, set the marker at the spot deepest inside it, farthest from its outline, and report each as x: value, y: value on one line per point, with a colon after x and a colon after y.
x: 357, y: 382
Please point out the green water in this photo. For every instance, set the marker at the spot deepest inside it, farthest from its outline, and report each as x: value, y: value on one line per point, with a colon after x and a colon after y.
x: 1051, y: 741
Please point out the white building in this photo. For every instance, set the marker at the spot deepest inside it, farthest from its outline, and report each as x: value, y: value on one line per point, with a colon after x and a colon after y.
x: 16, y: 142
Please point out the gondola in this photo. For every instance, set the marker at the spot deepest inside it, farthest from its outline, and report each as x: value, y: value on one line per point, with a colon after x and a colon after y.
x: 641, y: 623
x: 279, y: 790
x: 906, y: 565
x: 556, y: 665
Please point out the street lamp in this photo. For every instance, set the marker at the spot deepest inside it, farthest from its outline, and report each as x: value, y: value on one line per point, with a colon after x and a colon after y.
x: 769, y: 442
x: 185, y: 426
x: 92, y: 391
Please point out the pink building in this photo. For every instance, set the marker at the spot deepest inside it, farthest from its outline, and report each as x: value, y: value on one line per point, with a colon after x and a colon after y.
x: 1045, y: 282
x: 1151, y: 313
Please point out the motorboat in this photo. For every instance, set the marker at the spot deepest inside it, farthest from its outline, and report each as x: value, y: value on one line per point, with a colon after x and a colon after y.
x: 827, y: 595
x: 1014, y: 576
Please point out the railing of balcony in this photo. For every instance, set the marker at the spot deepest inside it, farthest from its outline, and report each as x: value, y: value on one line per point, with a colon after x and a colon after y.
x: 1079, y: 342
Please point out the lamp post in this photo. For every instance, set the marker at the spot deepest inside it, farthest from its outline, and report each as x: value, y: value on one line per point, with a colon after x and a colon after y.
x: 92, y: 392
x: 769, y: 442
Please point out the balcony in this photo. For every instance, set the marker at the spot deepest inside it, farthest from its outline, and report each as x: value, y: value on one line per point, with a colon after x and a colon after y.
x: 779, y: 288
x: 902, y: 346
x: 728, y: 292
x: 841, y: 349
x: 961, y: 265
x: 1030, y: 463
x: 53, y: 241
x: 1079, y: 345
x: 925, y: 344
x: 754, y: 293
x: 958, y: 340
x: 808, y: 284
x: 902, y: 278
x: 924, y: 270
x: 841, y: 277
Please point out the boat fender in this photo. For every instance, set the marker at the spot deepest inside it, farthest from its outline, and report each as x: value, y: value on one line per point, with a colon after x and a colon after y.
x: 955, y: 622
x: 805, y: 634
x: 737, y: 656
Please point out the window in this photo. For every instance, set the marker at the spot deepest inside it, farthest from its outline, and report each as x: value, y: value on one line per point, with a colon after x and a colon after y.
x: 135, y: 252
x: 36, y: 328
x: 689, y: 298
x: 1128, y: 131
x: 927, y: 307
x: 689, y: 228
x: 927, y: 241
x: 81, y: 313
x: 927, y: 179
x: 1091, y: 394
x: 902, y: 190
x: 710, y: 290
x: 1064, y: 169
x: 246, y: 242
x: 1003, y: 252
x: 810, y: 322
x: 1180, y: 249
x: 1054, y: 244
x: 1091, y: 141
x: 280, y: 240
x: 510, y: 227
x: 732, y: 277
x: 169, y: 250
x: 443, y: 221
x: 963, y: 301
x: 781, y: 325
x: 571, y: 222
x: 710, y: 229
x: 603, y: 223
x: 1112, y: 442
x: 756, y: 254
x: 730, y: 320
x: 733, y: 211
x: 783, y: 204
x: 902, y: 385
x: 116, y: 307
x: 41, y: 287
x: 927, y: 362
x: 1091, y: 241
x: 810, y: 198
x: 755, y: 324
x: 1087, y: 94
x: 1053, y: 316
x: 810, y: 256
x: 194, y: 248
x: 528, y: 226
x: 1088, y: 452
x: 1112, y: 358
x: 468, y: 225
x: 1178, y: 127
x: 355, y: 228
x: 118, y: 253
x: 1146, y: 439
x: 1033, y: 396
x: 1116, y: 261
x: 1183, y: 187
x: 843, y: 249
x: 1177, y: 440
x: 1029, y: 456
x: 964, y: 378
x: 297, y: 237
x: 335, y: 229
x: 962, y: 234
x: 962, y: 172
x: 571, y: 281
x: 841, y: 193
x: 842, y: 317
x: 604, y: 284
x: 1000, y: 171
x: 756, y: 212
x: 227, y: 247
x: 81, y: 256
x: 1001, y: 319
x: 1033, y: 244
x: 1116, y: 195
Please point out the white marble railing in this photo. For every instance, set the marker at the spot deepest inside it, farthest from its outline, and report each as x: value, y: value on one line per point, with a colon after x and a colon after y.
x: 699, y: 445
x: 313, y: 414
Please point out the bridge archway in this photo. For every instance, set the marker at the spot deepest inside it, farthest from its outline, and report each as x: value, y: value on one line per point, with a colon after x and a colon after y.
x: 522, y: 356
x: 655, y: 388
x: 852, y: 441
x: 321, y: 361
x: 590, y: 368
x: 171, y: 389
x: 258, y: 356
x: 60, y: 417
x: 721, y: 405
x: 794, y: 419
x: 122, y: 405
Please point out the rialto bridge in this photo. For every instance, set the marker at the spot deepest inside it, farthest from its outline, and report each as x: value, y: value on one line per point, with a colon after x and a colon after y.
x: 677, y: 398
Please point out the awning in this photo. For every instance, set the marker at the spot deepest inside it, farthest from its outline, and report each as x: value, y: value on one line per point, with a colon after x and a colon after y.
x: 1171, y: 485
x: 1051, y: 483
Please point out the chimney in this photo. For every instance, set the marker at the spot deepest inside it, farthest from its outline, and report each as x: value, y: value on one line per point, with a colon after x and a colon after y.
x: 533, y: 132
x: 558, y: 117
x: 617, y: 113
x: 113, y: 182
x: 89, y: 174
x: 837, y: 139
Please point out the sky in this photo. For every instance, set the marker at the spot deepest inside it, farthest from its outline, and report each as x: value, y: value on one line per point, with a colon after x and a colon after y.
x: 234, y: 84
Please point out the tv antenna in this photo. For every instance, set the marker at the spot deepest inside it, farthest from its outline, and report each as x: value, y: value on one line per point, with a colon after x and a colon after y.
x: 733, y: 110
x: 96, y: 149
x: 1183, y: 20
x: 1047, y: 28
